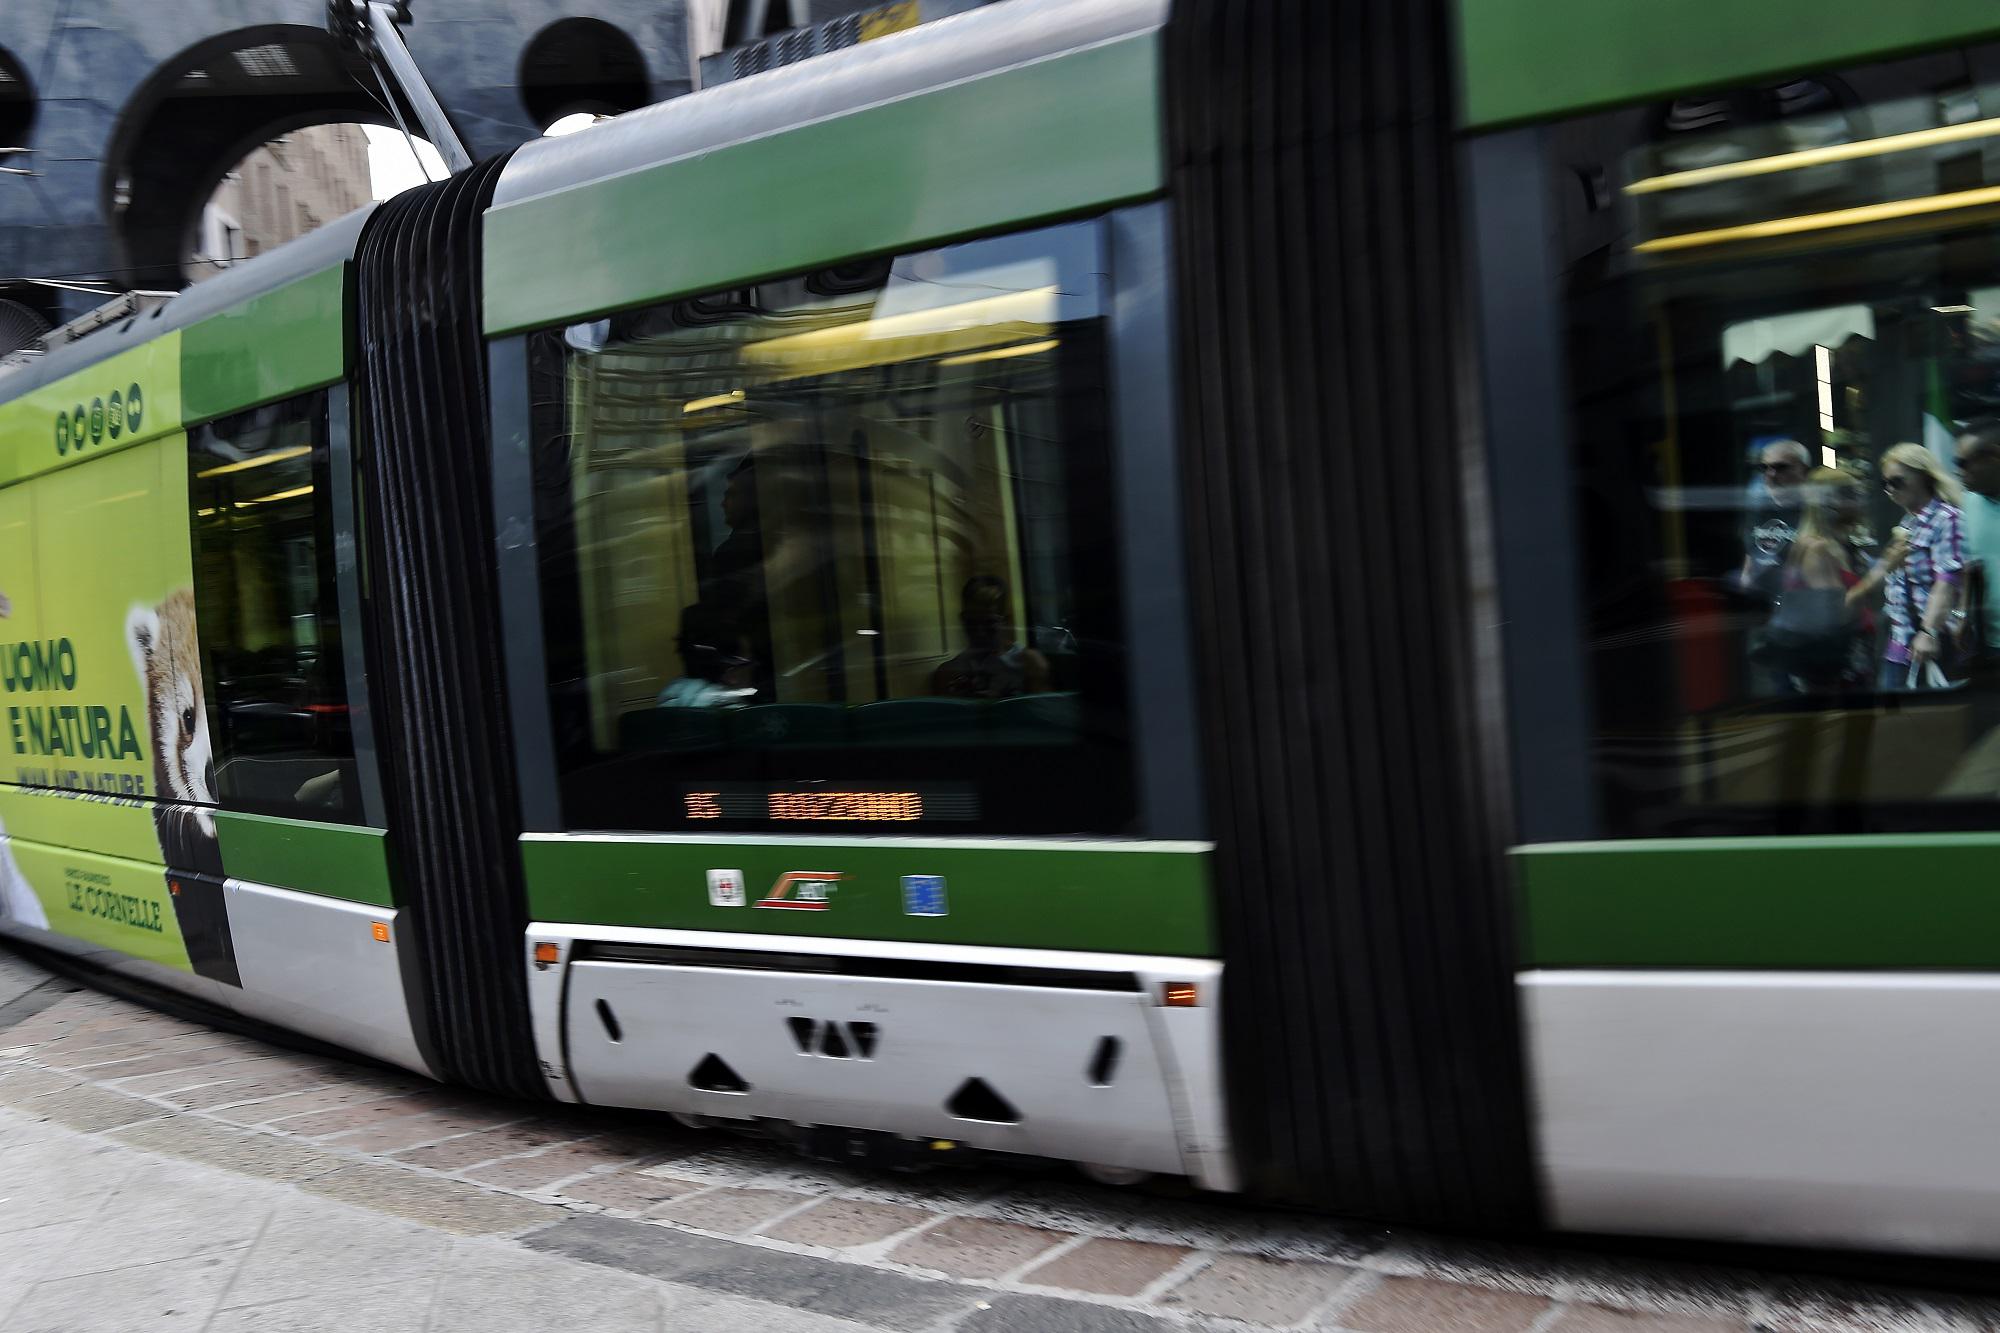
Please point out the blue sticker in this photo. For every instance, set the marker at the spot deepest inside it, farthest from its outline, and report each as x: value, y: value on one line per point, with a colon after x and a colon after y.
x: 923, y: 895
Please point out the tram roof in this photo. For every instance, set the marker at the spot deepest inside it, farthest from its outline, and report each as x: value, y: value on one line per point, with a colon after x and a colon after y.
x: 884, y: 144
x: 230, y: 292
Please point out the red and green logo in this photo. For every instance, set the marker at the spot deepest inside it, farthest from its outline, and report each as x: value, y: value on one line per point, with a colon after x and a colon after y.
x: 803, y: 890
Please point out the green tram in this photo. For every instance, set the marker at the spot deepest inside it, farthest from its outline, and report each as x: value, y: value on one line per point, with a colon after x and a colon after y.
x: 1187, y: 589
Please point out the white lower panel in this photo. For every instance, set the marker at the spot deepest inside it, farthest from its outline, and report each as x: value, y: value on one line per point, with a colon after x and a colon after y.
x: 313, y: 964
x: 636, y: 1033
x: 1811, y: 1108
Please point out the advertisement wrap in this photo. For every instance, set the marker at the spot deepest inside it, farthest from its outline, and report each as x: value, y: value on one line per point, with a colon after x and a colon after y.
x: 104, y: 740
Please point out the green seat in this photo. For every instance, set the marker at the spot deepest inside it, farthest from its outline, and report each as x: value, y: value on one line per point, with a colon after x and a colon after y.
x: 771, y: 726
x: 925, y: 722
x: 1037, y: 719
x: 680, y: 730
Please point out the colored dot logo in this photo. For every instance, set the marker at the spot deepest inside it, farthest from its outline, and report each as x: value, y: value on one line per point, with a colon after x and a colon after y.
x: 119, y: 415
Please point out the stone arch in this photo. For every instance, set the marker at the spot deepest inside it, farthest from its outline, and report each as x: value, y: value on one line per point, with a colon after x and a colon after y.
x: 17, y: 106
x: 199, y: 113
x: 26, y: 311
x: 581, y: 64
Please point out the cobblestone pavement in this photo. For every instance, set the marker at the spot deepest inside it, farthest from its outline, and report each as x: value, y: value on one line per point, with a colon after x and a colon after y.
x: 157, y: 1175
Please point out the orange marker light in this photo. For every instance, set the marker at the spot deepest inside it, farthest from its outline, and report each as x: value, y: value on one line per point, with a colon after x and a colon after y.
x: 1180, y: 995
x: 381, y: 932
x: 546, y: 954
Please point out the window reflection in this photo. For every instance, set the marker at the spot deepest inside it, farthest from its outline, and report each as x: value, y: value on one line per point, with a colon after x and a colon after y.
x: 1785, y: 356
x: 848, y: 529
x: 265, y: 602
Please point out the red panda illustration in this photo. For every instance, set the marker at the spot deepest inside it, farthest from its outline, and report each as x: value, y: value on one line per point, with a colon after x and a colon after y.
x: 167, y: 654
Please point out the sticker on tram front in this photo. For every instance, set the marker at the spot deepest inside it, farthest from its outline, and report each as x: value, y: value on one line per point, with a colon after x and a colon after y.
x: 725, y: 888
x: 803, y: 890
x: 923, y: 895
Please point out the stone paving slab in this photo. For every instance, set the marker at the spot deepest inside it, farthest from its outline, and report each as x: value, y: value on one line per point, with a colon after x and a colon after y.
x: 974, y: 1247
x: 156, y: 1175
x: 445, y: 1204
x: 1257, y: 1290
x: 1105, y: 1267
x: 869, y: 1296
x: 1417, y: 1305
x: 843, y: 1224
x: 626, y: 1191
x: 231, y: 1150
x: 395, y: 1307
x: 150, y: 1298
x: 731, y: 1211
x: 1011, y: 1314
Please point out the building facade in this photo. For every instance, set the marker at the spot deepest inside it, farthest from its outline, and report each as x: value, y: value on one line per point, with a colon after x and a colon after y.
x: 280, y: 192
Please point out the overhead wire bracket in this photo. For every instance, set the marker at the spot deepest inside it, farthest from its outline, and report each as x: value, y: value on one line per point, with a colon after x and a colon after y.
x: 371, y: 29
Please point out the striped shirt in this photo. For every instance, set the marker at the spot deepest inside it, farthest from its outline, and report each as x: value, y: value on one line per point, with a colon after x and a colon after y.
x: 1937, y: 551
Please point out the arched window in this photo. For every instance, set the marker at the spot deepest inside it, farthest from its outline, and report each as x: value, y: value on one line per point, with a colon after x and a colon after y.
x: 581, y: 65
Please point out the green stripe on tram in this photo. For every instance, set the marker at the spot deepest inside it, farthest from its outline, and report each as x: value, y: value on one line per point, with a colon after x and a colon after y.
x: 1534, y: 59
x: 1149, y: 899
x: 1073, y: 132
x: 333, y: 860
x: 1901, y: 901
x: 286, y: 341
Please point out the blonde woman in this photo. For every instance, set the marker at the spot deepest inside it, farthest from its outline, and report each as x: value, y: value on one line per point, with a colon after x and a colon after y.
x: 1920, y: 573
x: 1823, y: 641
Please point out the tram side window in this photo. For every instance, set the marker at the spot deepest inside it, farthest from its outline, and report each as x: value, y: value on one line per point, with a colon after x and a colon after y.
x: 267, y: 612
x: 838, y: 550
x: 1785, y: 358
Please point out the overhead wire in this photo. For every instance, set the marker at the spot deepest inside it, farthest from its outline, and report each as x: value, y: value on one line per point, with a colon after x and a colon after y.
x: 395, y: 110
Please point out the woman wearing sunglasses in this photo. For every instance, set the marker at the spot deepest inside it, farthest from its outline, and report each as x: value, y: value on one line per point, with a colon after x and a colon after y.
x: 1921, y: 571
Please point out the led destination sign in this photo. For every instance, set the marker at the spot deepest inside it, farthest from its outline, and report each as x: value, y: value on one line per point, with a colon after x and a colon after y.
x: 830, y: 804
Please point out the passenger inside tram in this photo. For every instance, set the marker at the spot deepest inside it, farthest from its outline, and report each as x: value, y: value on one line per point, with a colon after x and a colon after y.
x: 717, y: 671
x: 993, y: 664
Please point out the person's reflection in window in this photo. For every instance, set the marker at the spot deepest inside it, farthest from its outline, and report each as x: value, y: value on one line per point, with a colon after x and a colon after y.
x: 736, y: 566
x: 1822, y: 636
x: 1774, y: 515
x: 736, y: 589
x: 1924, y: 564
x: 1978, y: 458
x: 993, y: 665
